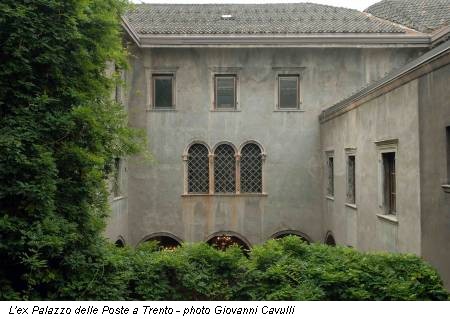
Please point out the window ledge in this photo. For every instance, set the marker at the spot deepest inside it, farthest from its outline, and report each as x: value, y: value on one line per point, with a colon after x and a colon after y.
x: 446, y: 188
x: 161, y: 110
x: 389, y: 218
x: 353, y: 206
x: 226, y: 110
x: 289, y: 110
x: 116, y: 199
x: 329, y: 197
x: 226, y: 195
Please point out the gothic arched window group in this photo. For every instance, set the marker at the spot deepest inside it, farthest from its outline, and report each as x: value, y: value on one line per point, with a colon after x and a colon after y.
x: 225, y: 170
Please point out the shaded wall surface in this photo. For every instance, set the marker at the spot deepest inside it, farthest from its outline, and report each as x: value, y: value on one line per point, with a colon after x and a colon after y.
x: 434, y: 102
x: 291, y: 140
x: 393, y: 116
x: 415, y: 115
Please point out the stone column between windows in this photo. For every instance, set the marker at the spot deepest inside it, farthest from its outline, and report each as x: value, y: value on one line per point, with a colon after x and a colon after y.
x: 238, y: 173
x: 186, y: 174
x: 211, y: 173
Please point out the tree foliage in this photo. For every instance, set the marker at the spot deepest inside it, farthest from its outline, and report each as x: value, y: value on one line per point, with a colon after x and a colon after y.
x: 59, y: 133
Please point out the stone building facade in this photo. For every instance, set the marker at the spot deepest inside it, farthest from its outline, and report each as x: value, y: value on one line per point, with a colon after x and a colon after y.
x: 230, y: 97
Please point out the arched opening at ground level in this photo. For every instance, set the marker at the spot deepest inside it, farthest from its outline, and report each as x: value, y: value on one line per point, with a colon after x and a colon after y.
x: 285, y: 233
x: 164, y: 240
x: 120, y: 242
x: 226, y: 239
x: 329, y: 239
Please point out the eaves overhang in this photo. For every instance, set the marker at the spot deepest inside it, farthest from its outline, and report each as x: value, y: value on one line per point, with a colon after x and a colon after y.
x: 430, y: 61
x: 313, y: 40
x: 303, y: 40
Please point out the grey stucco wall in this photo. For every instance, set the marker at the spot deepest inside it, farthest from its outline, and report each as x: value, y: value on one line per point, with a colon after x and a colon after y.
x: 291, y: 140
x: 391, y: 116
x: 434, y: 101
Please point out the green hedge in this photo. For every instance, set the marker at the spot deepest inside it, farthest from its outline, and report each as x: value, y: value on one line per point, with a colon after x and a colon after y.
x: 285, y: 269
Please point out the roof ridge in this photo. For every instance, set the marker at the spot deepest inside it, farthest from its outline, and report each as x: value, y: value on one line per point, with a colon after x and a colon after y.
x: 393, y: 23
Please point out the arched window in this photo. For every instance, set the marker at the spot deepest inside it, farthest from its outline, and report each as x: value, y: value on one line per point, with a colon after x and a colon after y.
x: 198, y: 169
x: 329, y: 240
x: 165, y: 242
x: 119, y: 243
x: 224, y: 241
x: 251, y: 169
x: 224, y: 169
x: 286, y: 233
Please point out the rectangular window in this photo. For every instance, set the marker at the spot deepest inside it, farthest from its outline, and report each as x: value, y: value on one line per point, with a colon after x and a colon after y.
x: 117, y: 178
x: 389, y: 183
x: 163, y: 91
x: 288, y: 91
x: 351, y: 184
x: 330, y: 170
x: 225, y: 91
x: 448, y: 155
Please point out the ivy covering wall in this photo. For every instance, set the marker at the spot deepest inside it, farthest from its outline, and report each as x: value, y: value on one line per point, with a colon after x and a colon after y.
x: 59, y: 133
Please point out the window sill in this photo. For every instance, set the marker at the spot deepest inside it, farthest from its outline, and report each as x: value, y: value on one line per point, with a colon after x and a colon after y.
x: 161, y: 110
x: 353, y: 206
x: 115, y: 199
x: 330, y: 197
x: 446, y: 188
x: 226, y: 195
x: 225, y: 110
x: 389, y: 218
x: 289, y: 110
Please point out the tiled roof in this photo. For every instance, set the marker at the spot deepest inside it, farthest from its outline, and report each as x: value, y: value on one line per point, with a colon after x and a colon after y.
x: 421, y: 15
x: 293, y: 18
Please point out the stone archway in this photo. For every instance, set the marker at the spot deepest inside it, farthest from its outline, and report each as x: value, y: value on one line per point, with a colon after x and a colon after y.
x: 329, y: 239
x: 285, y: 233
x: 120, y: 242
x: 165, y: 240
x: 223, y: 240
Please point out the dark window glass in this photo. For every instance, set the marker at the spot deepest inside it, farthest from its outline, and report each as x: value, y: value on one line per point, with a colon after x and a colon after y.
x: 198, y: 169
x: 330, y: 240
x: 163, y: 91
x: 117, y: 178
x: 330, y: 188
x: 448, y: 155
x: 225, y: 92
x: 351, y: 193
x: 288, y: 92
x: 389, y: 185
x: 224, y: 169
x: 251, y: 169
x: 119, y: 243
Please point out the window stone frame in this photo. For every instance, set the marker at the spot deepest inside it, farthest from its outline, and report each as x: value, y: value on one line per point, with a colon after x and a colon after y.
x: 330, y: 186
x: 225, y: 71
x: 384, y: 147
x: 211, y: 156
x: 288, y: 71
x: 350, y: 152
x: 150, y: 73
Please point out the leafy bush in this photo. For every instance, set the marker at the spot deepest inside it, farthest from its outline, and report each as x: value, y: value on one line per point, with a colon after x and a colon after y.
x: 289, y: 269
x: 285, y: 269
x: 192, y: 272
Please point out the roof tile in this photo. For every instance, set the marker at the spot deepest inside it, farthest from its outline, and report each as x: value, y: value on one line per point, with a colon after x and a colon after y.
x: 421, y: 15
x: 292, y: 18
